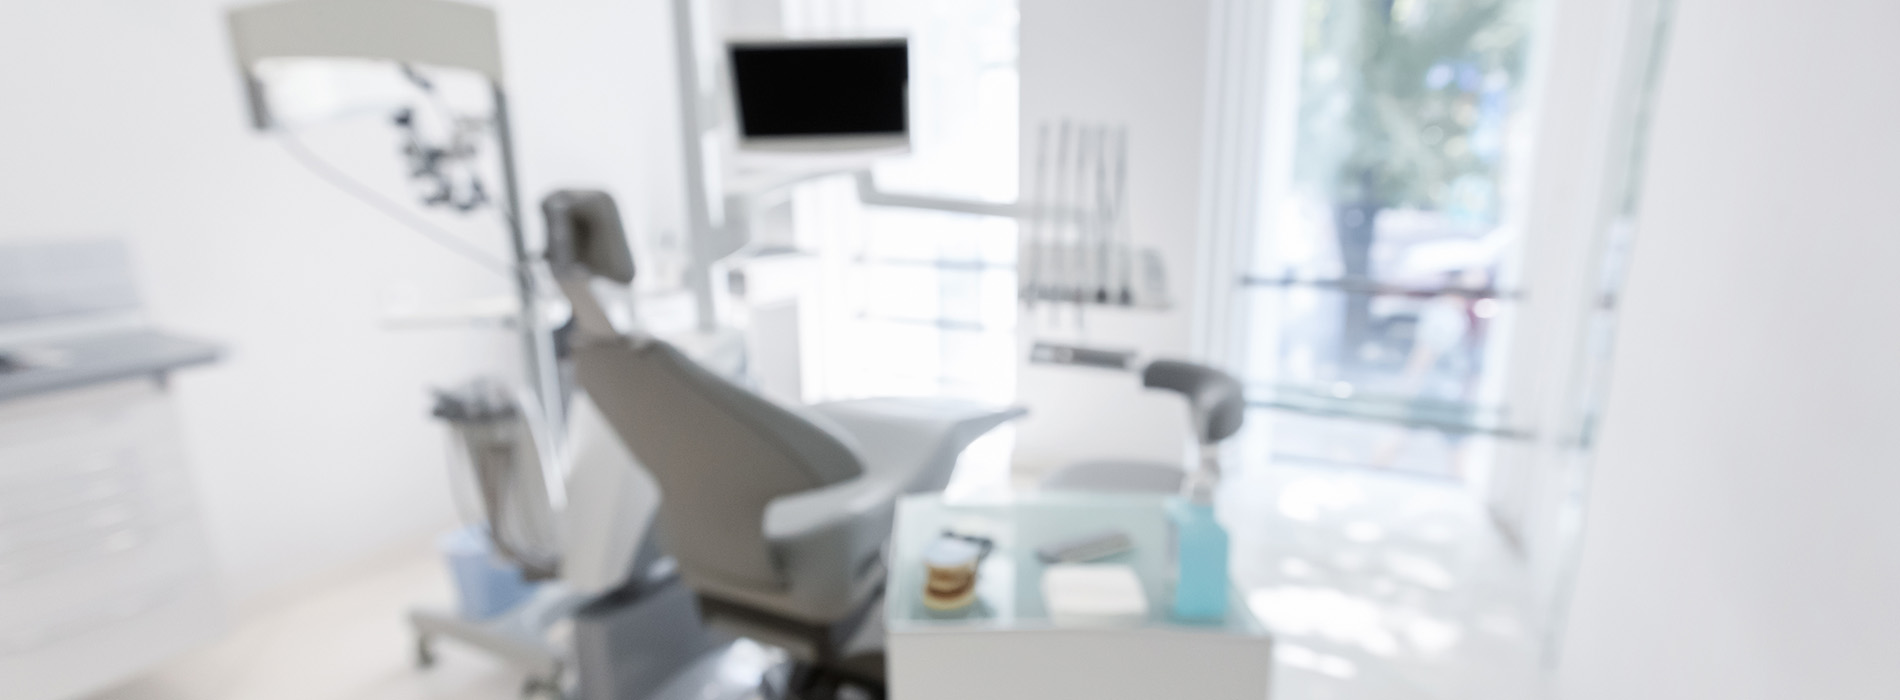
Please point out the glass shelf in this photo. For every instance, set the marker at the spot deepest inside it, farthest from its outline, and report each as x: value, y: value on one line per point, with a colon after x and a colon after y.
x: 1456, y: 417
x: 1362, y: 285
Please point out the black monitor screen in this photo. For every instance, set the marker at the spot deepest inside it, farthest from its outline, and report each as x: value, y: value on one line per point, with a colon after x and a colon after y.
x: 821, y: 88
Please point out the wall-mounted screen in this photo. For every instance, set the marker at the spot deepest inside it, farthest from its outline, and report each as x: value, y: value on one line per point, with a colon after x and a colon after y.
x: 831, y: 94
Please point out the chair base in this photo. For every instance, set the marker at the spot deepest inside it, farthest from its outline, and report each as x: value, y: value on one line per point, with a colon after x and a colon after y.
x: 518, y: 636
x: 629, y: 644
x: 828, y: 646
x: 835, y: 661
x: 848, y: 679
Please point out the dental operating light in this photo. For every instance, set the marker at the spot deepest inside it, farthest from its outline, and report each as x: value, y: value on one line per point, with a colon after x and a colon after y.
x: 266, y: 38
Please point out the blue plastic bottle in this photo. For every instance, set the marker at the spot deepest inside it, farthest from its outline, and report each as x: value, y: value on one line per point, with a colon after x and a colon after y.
x: 1200, y: 550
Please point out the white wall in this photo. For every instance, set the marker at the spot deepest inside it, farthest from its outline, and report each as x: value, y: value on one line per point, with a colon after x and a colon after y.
x: 311, y: 441
x: 1743, y: 540
x: 595, y: 97
x: 1143, y: 64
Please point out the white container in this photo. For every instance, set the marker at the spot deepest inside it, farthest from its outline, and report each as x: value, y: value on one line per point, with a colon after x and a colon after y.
x: 1094, y: 595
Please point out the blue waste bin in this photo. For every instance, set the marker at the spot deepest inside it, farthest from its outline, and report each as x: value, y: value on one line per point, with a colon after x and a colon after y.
x: 486, y: 585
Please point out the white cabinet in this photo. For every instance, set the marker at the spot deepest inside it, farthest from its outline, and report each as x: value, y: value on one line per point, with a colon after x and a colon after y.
x: 104, y: 565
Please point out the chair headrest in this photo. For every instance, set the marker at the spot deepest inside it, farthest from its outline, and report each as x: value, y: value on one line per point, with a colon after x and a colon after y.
x: 1217, y: 400
x: 584, y: 234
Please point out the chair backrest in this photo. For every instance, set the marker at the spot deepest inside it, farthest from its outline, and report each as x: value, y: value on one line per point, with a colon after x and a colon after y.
x: 720, y: 453
x: 1216, y: 399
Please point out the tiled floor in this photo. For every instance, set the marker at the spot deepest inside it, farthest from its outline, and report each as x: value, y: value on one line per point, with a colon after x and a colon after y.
x: 1378, y: 587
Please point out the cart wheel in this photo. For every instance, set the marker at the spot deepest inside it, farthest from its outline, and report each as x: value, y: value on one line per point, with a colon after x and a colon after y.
x: 541, y: 689
x: 425, y: 652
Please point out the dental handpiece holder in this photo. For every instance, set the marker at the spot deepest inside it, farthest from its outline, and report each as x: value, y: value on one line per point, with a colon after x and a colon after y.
x: 515, y: 505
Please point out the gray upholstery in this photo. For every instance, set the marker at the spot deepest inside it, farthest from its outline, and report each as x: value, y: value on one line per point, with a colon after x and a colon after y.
x: 721, y: 455
x: 830, y: 540
x: 586, y: 241
x: 1216, y: 399
x: 780, y: 508
x: 584, y: 231
x: 775, y: 513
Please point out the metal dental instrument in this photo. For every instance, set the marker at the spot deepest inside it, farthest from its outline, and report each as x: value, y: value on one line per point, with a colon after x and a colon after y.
x: 1058, y: 197
x: 1078, y: 279
x: 1085, y: 205
x: 1124, y: 233
x: 1029, y: 269
x: 1088, y: 207
x: 1104, y: 221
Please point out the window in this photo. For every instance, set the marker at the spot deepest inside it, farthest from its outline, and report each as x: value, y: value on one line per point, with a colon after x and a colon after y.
x: 1381, y: 287
x: 912, y: 301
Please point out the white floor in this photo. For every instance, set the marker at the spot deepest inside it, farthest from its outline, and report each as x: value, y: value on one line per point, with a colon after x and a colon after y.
x: 1363, y: 574
x: 1378, y: 587
x: 348, y: 640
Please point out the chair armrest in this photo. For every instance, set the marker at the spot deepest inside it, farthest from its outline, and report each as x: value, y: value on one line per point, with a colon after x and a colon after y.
x: 920, y: 437
x: 829, y: 542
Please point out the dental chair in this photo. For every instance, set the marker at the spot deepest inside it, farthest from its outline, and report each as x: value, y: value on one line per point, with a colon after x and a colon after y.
x: 1217, y: 406
x: 584, y: 532
x: 778, y: 515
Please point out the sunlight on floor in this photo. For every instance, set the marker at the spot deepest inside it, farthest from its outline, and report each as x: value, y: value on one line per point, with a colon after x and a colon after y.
x: 1353, y: 569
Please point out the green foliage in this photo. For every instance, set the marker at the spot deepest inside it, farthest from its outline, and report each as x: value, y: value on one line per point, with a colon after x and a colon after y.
x: 1394, y: 93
